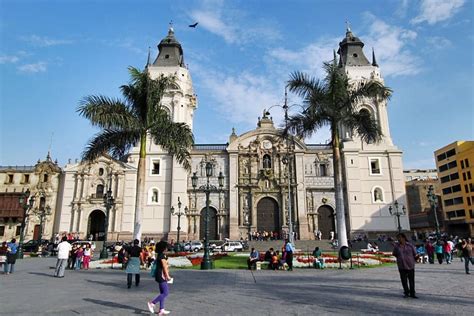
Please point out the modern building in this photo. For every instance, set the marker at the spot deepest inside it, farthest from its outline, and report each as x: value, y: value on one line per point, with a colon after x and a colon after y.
x: 43, y: 182
x: 420, y: 174
x: 455, y: 164
x: 421, y: 214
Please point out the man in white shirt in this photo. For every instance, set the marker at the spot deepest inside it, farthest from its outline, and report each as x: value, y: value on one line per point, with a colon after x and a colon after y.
x: 64, y: 248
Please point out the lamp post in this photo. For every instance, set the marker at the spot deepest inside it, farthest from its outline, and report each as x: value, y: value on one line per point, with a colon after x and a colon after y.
x: 26, y: 205
x: 179, y: 213
x: 206, y: 263
x: 433, y: 199
x: 109, y: 202
x: 397, y: 212
x: 287, y: 161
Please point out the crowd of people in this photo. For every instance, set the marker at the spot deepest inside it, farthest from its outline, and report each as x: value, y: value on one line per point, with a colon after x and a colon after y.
x: 274, y: 259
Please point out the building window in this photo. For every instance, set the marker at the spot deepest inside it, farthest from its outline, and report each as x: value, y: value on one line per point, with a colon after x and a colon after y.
x: 466, y: 188
x: 155, y: 167
x: 45, y: 177
x: 462, y: 164
x: 466, y: 162
x: 469, y: 200
x: 26, y: 178
x: 153, y: 196
x: 377, y: 195
x: 2, y: 231
x: 469, y: 175
x: 375, y: 166
x: 9, y: 179
x: 101, y: 171
x: 267, y: 162
x: 323, y: 170
x: 18, y: 231
x: 99, y: 191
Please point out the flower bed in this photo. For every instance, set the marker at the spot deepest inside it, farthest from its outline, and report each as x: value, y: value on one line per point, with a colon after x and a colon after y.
x: 331, y: 260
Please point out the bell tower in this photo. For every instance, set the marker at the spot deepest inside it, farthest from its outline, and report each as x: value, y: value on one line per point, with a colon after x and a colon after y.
x: 373, y: 172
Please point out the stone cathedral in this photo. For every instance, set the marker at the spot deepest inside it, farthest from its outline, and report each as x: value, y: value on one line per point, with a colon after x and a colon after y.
x: 256, y: 165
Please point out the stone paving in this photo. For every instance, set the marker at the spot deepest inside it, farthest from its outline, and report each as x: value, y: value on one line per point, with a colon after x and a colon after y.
x: 442, y: 290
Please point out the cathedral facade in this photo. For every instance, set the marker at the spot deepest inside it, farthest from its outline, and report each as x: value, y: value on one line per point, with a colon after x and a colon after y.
x: 269, y: 181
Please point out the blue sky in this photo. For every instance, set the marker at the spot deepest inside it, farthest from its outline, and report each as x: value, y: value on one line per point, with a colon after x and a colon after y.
x: 53, y: 53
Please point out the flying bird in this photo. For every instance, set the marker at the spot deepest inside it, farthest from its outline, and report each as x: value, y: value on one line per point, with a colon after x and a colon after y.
x: 194, y: 25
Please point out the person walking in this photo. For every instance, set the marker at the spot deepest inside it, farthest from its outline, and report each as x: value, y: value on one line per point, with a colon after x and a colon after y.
x: 79, y: 255
x: 64, y: 248
x: 406, y: 257
x: 447, y: 251
x: 467, y: 254
x: 439, y: 252
x: 162, y: 276
x: 3, y: 256
x: 430, y: 251
x: 11, y: 256
x: 134, y: 262
x: 290, y: 249
x: 86, y: 258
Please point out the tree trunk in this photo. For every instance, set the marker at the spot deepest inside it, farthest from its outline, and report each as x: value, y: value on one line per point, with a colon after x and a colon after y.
x: 137, y: 230
x: 340, y: 211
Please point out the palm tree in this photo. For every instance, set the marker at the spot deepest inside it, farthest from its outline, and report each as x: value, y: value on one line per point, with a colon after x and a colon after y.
x: 134, y: 120
x: 334, y: 102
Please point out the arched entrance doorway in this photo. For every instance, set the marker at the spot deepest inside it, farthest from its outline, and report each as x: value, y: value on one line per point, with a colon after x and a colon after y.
x: 326, y: 223
x: 268, y: 215
x: 212, y: 224
x: 96, y: 225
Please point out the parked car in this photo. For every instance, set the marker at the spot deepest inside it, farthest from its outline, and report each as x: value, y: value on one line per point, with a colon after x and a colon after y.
x: 193, y: 246
x: 232, y: 246
x: 216, y: 245
x: 32, y: 245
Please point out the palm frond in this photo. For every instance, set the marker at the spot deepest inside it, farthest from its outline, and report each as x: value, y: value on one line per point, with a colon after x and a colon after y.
x: 176, y: 138
x: 114, y: 142
x: 365, y: 125
x: 302, y: 84
x: 106, y: 112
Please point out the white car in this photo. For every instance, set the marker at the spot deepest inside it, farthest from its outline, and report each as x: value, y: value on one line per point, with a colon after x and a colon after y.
x: 232, y: 246
x: 193, y: 246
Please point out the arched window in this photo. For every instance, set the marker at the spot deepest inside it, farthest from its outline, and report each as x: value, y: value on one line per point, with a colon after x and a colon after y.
x: 99, y: 191
x: 377, y: 195
x: 101, y: 171
x: 154, y: 196
x: 267, y: 162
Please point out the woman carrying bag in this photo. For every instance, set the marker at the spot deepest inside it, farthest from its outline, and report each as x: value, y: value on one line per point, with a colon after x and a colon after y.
x: 160, y: 271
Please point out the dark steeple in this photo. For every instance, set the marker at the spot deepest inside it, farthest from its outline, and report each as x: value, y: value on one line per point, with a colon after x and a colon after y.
x: 170, y: 51
x: 374, y: 62
x: 350, y: 51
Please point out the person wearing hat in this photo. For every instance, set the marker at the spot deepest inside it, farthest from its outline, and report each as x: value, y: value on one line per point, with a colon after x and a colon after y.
x: 133, y: 263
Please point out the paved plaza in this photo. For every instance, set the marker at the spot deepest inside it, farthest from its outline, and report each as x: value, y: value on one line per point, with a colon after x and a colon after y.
x: 442, y: 290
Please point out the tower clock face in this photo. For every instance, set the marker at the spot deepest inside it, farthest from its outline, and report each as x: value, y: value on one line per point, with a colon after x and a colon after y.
x: 267, y: 144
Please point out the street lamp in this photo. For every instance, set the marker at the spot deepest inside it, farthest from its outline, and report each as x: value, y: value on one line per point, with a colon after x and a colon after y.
x: 433, y: 199
x: 109, y: 202
x: 397, y: 212
x: 179, y: 213
x: 26, y: 205
x: 206, y: 263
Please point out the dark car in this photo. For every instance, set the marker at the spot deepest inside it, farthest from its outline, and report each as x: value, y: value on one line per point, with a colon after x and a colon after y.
x: 32, y: 245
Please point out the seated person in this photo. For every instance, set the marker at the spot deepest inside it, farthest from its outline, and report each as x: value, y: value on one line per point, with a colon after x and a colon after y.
x: 268, y: 257
x: 318, y: 258
x: 252, y: 259
x: 370, y: 248
x: 275, y: 261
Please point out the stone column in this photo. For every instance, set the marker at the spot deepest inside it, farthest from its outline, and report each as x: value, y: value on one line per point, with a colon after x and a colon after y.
x: 233, y: 197
x: 301, y: 197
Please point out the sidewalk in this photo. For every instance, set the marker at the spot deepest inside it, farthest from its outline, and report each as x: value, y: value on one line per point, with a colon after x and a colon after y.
x: 443, y: 289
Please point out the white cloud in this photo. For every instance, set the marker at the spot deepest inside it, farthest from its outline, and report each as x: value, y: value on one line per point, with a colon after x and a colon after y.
x: 439, y: 42
x: 43, y: 41
x: 33, y: 68
x: 6, y: 59
x: 434, y: 11
x: 231, y: 24
x: 392, y: 47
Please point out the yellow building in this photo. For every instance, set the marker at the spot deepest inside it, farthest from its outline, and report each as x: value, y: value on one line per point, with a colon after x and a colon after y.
x: 455, y: 165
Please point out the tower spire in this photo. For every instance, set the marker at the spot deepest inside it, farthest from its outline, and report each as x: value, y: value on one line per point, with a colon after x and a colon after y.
x: 148, y: 58
x: 374, y: 61
x: 334, y: 60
